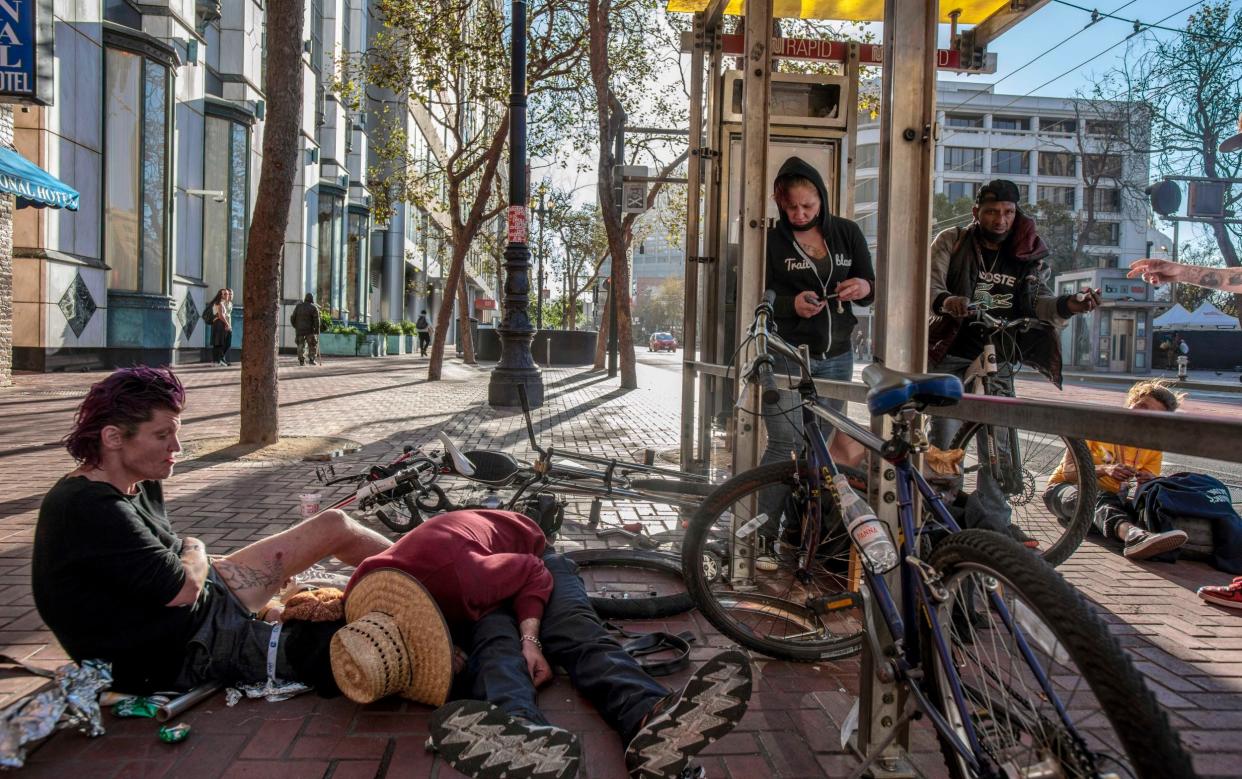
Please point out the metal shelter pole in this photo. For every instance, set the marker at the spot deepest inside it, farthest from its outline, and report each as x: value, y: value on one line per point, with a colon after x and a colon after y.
x: 694, y: 172
x: 756, y: 78
x: 907, y: 127
x: 711, y: 317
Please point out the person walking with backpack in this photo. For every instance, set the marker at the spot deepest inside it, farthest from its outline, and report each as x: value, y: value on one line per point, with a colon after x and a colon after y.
x: 424, y: 333
x: 306, y: 322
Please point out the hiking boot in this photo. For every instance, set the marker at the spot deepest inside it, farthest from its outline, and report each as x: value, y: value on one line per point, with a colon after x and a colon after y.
x: 482, y: 741
x: 302, y: 363
x: 709, y: 706
x: 1229, y: 596
x: 1019, y: 535
x: 1140, y: 544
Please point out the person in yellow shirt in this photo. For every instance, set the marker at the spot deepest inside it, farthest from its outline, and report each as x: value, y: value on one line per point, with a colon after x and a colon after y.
x: 1118, y: 469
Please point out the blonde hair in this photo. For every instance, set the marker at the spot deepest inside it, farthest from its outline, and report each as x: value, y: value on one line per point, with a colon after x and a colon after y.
x: 1158, y: 389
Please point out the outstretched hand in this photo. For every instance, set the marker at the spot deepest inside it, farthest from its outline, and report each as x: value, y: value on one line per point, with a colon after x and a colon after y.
x: 1156, y: 271
x: 538, y: 668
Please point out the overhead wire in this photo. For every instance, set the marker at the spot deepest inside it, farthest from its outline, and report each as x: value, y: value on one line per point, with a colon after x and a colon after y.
x: 1139, y: 26
x: 1090, y: 59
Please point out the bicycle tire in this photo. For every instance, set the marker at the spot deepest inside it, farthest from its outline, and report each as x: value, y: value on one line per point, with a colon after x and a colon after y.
x: 654, y: 607
x: 741, y: 614
x: 1058, y: 538
x: 404, y: 518
x: 978, y: 558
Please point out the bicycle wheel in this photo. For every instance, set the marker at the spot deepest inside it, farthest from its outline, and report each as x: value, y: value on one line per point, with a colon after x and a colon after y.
x: 778, y: 606
x: 1116, y: 726
x: 629, y: 594
x: 1059, y: 533
x: 400, y: 515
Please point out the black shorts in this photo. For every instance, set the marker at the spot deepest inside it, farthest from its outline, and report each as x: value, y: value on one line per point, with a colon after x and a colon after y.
x: 231, y: 646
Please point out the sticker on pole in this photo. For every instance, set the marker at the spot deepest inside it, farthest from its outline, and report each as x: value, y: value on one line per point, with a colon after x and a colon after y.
x: 517, y: 224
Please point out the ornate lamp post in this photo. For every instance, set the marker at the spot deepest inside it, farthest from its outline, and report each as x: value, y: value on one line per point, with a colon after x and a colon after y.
x: 517, y: 366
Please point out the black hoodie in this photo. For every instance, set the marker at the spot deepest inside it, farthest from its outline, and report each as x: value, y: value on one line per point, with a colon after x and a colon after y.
x: 791, y: 272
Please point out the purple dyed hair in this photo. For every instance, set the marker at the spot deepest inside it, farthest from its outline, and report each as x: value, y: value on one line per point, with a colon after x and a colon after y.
x: 125, y: 399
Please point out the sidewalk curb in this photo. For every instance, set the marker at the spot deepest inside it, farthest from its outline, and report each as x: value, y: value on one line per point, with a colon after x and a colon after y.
x: 1190, y: 384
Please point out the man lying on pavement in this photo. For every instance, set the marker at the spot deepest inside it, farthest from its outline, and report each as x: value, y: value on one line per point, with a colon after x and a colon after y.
x: 514, y: 605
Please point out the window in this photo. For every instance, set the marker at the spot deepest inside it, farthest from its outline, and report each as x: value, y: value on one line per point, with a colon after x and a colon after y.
x: 963, y: 120
x: 1024, y: 193
x: 226, y: 159
x: 1102, y: 166
x: 866, y: 190
x: 1107, y: 199
x: 956, y: 190
x: 1062, y: 196
x: 1011, y: 123
x: 868, y: 224
x: 963, y: 159
x: 1057, y: 163
x: 1009, y: 161
x: 355, y: 258
x: 1105, y: 234
x: 868, y: 156
x: 1103, y: 127
x: 331, y: 215
x: 136, y: 124
x: 1050, y: 125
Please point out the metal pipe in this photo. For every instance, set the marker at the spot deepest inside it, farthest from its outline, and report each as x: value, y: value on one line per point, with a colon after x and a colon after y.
x: 183, y: 703
x: 690, y: 301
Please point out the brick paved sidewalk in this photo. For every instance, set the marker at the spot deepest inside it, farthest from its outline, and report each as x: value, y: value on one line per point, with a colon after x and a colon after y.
x: 1189, y: 651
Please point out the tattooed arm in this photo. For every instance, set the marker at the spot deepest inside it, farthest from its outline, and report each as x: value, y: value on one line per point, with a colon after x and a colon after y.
x: 1163, y: 271
x: 194, y: 563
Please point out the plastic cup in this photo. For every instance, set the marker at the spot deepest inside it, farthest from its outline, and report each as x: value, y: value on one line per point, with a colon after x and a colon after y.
x: 310, y: 503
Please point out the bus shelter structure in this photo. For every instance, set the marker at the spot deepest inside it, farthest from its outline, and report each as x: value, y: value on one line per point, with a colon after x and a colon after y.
x: 733, y: 138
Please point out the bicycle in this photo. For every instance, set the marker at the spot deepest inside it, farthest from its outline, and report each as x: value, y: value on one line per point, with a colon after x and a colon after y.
x: 1004, y: 658
x: 1019, y: 463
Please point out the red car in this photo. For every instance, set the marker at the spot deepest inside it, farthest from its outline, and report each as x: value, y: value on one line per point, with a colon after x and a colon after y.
x: 661, y: 342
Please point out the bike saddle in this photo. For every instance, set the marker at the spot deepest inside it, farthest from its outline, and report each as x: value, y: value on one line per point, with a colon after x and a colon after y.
x: 890, y: 390
x: 492, y: 468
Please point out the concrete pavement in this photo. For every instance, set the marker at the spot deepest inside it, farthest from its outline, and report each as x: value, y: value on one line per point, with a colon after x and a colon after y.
x: 1191, y: 653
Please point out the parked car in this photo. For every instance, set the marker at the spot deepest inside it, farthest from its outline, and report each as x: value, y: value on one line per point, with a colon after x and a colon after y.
x: 662, y: 342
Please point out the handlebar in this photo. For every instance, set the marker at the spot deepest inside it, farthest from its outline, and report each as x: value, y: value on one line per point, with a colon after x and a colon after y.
x: 984, y: 319
x: 767, y: 341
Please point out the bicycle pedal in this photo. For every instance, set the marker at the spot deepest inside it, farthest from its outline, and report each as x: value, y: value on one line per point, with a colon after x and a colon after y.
x: 837, y: 601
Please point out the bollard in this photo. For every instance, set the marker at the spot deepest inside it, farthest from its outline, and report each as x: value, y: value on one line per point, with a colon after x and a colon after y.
x: 1182, y: 363
x: 548, y: 350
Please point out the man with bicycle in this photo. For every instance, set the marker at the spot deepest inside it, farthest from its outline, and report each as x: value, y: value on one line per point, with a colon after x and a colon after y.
x: 995, y: 263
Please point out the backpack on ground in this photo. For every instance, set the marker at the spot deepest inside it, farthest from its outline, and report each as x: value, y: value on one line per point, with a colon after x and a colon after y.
x: 1201, y: 506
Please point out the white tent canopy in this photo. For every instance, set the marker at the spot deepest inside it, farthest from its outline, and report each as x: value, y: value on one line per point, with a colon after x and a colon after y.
x: 1209, y: 317
x: 1173, y: 318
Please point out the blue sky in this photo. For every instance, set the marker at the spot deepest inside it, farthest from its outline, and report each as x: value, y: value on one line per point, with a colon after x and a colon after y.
x: 1054, y: 22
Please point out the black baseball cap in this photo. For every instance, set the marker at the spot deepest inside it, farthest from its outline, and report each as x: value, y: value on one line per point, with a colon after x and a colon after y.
x: 1002, y: 190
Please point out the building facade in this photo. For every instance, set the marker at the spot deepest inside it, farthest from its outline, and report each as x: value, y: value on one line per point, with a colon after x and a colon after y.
x: 158, y: 122
x: 1036, y: 142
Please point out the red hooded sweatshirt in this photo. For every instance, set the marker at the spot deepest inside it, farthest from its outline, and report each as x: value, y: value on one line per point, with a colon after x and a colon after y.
x: 472, y: 562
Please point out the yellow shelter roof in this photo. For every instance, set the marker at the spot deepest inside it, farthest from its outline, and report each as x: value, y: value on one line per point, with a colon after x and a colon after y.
x: 973, y: 11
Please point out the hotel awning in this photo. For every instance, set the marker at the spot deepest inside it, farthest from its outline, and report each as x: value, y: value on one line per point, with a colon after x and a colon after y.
x: 973, y: 11
x: 33, y: 185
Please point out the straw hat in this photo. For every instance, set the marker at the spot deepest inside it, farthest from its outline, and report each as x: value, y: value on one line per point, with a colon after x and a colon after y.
x: 396, y: 642
x: 1235, y: 142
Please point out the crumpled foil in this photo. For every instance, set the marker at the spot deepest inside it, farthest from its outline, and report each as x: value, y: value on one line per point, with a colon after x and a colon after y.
x: 72, y: 703
x: 272, y: 692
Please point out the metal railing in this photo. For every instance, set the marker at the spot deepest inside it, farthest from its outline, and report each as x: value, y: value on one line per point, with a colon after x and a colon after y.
x: 1193, y: 434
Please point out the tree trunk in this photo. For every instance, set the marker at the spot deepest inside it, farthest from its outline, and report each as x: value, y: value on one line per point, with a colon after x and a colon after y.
x: 265, y: 244
x: 463, y: 326
x: 444, y: 316
x: 601, y: 340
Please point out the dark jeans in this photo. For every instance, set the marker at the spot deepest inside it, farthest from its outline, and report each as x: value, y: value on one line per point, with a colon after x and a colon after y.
x: 574, y: 639
x: 1110, y: 509
x: 424, y: 339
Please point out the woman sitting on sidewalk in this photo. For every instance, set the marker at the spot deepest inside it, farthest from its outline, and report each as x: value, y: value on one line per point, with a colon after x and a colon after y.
x: 1115, y: 465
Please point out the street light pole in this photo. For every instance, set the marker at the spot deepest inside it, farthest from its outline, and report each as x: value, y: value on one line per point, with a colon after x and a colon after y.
x: 517, y: 366
x: 542, y: 251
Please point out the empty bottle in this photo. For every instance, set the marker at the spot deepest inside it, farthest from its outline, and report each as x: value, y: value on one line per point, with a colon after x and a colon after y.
x: 869, y: 534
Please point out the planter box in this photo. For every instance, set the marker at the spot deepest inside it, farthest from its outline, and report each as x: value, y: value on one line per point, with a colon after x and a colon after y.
x: 338, y: 345
x: 397, y: 344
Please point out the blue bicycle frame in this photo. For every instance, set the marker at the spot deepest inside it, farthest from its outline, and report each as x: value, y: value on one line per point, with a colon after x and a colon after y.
x: 915, y: 589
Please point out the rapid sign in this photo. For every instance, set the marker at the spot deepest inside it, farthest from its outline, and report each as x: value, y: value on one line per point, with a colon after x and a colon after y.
x: 836, y: 51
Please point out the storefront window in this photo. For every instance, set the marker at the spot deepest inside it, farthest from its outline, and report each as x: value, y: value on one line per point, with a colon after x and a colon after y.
x: 136, y: 194
x: 355, y: 259
x: 225, y: 169
x: 328, y: 268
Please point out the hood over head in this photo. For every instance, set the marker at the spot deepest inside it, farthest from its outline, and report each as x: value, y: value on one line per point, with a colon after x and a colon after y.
x: 800, y: 168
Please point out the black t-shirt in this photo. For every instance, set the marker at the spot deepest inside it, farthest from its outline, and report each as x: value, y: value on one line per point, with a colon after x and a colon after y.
x: 104, y: 566
x: 997, y: 285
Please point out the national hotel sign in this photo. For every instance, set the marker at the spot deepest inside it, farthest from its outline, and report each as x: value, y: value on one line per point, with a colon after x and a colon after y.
x: 26, y: 52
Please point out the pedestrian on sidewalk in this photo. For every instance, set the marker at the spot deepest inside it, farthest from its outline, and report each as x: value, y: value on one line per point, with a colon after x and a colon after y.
x: 1119, y: 470
x: 220, y: 316
x: 423, y: 325
x: 998, y: 262
x: 114, y: 581
x: 306, y: 321
x: 508, y: 600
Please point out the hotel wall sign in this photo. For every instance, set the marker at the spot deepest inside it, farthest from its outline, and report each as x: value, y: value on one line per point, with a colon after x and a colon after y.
x: 26, y: 52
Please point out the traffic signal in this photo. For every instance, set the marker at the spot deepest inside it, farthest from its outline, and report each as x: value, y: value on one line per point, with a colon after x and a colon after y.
x: 1207, y: 199
x: 1166, y: 197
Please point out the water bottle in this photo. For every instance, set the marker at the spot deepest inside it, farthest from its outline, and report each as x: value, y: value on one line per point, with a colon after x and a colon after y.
x: 869, y: 533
